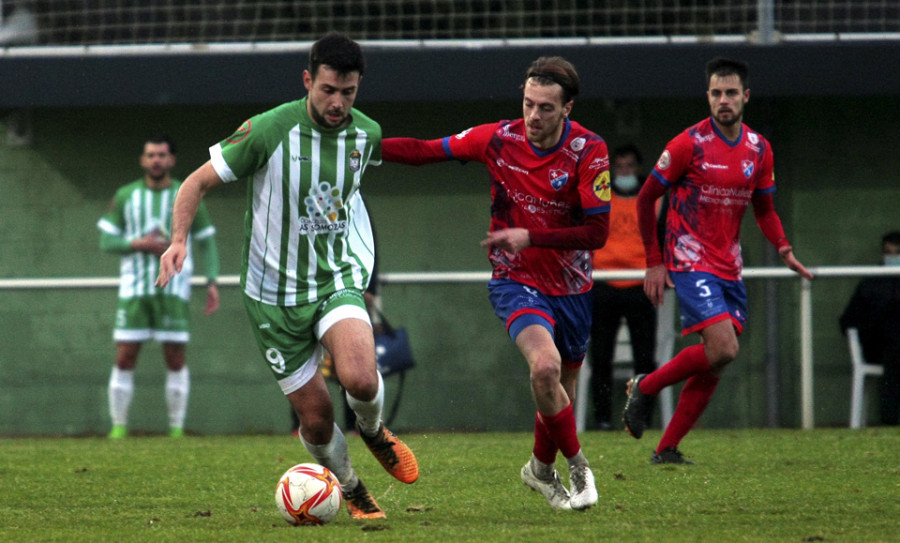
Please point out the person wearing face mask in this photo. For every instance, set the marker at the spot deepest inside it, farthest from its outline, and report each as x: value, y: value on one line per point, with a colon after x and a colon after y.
x: 614, y: 300
x: 874, y: 310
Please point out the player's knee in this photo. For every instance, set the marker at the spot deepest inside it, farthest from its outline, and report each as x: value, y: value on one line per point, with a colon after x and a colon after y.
x: 721, y: 355
x: 360, y: 381
x: 545, y: 374
x: 126, y: 361
x: 317, y: 426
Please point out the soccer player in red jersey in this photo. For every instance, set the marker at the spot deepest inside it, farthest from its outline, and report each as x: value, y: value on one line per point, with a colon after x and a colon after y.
x: 549, y: 208
x: 714, y: 170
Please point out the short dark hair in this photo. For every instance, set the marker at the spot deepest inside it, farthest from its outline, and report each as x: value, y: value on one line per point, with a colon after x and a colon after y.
x: 891, y: 237
x: 724, y: 67
x: 337, y: 51
x: 159, y: 139
x: 549, y: 70
x: 628, y: 149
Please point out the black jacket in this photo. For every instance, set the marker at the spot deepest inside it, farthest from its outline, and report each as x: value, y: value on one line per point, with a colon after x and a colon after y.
x: 874, y: 310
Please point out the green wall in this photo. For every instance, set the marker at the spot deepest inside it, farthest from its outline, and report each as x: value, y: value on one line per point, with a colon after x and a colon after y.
x: 836, y: 197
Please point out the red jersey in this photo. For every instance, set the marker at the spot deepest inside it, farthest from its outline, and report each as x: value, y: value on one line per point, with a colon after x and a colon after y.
x: 534, y: 189
x: 712, y: 180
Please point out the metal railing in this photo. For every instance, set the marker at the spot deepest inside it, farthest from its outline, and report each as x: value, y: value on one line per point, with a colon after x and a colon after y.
x: 804, y: 302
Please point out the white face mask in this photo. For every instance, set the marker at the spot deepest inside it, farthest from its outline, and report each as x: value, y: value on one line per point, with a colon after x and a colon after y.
x: 892, y: 260
x: 625, y: 183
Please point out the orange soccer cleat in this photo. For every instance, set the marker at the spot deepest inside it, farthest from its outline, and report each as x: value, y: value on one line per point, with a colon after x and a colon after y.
x: 393, y: 454
x: 361, y: 504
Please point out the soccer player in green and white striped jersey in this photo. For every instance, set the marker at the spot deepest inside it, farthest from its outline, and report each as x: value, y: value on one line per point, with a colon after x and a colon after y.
x: 308, y: 257
x: 136, y: 227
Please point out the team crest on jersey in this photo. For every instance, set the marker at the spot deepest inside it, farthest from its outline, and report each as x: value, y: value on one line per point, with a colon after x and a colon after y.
x: 355, y: 160
x: 747, y: 168
x: 577, y: 144
x: 558, y: 178
x: 242, y: 132
x: 664, y: 160
x: 601, y: 187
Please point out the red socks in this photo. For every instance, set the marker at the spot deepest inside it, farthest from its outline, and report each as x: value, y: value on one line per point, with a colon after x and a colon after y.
x: 555, y: 432
x: 689, y: 362
x: 695, y: 396
x: 544, y: 447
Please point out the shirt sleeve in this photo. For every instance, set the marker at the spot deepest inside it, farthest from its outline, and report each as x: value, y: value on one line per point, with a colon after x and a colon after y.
x: 669, y: 168
x: 413, y: 151
x: 766, y: 182
x: 589, y: 236
x: 674, y: 160
x: 468, y: 145
x: 242, y: 153
x: 594, y: 181
x: 111, y: 225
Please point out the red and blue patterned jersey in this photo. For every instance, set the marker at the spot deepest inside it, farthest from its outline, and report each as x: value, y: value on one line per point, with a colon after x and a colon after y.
x: 537, y: 188
x: 712, y: 181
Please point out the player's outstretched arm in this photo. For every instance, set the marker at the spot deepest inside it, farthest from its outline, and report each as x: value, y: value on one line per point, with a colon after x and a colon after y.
x: 184, y: 210
x: 412, y: 151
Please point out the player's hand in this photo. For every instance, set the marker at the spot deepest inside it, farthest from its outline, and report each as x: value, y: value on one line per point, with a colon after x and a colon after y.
x: 152, y: 243
x: 170, y: 263
x: 511, y: 240
x: 212, y: 299
x: 655, y: 282
x: 794, y: 264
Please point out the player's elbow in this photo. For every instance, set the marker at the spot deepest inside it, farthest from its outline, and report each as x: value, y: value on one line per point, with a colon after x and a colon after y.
x: 599, y: 240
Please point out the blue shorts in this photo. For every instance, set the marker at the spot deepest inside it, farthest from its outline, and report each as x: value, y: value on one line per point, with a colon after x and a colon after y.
x: 705, y: 299
x: 567, y: 318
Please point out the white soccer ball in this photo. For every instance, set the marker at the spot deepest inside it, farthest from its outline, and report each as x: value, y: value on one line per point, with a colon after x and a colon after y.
x: 308, y: 494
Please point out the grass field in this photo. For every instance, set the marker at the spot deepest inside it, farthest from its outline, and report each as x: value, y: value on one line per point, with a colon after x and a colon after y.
x: 747, y: 485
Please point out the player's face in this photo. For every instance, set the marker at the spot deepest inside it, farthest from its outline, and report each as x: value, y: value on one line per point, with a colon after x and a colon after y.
x: 331, y: 95
x: 544, y: 113
x: 157, y: 161
x: 726, y: 99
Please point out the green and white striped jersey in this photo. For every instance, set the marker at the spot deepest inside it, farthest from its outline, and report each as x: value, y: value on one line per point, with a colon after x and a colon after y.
x: 306, y: 230
x: 138, y: 210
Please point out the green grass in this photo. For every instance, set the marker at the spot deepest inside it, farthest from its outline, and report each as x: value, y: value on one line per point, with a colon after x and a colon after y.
x: 748, y: 485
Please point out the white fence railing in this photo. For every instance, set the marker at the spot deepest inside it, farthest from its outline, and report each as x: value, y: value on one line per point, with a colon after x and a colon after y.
x: 804, y: 302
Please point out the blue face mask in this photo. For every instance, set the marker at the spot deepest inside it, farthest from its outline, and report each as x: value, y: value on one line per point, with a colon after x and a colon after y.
x: 892, y: 260
x: 625, y: 183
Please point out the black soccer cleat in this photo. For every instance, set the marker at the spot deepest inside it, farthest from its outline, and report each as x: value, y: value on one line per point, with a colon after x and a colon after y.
x: 637, y: 408
x: 669, y: 455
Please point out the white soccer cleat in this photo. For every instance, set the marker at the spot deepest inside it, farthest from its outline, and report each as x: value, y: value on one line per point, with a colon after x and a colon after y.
x: 553, y: 490
x: 584, y: 491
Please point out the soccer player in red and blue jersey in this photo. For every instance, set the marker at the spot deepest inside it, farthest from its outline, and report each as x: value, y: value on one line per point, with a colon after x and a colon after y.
x: 714, y: 170
x: 549, y: 208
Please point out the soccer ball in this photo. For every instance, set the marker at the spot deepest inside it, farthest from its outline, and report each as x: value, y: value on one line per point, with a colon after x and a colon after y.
x: 308, y: 494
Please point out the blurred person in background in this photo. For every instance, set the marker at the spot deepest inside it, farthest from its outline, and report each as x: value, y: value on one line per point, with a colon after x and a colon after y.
x: 137, y: 227
x: 615, y: 300
x: 874, y: 310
